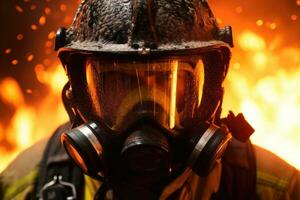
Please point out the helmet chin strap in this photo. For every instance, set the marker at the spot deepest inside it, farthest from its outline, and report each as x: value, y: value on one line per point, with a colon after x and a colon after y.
x: 218, y: 112
x: 67, y: 98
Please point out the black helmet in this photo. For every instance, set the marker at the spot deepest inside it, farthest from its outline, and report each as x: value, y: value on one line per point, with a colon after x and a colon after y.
x: 127, y: 26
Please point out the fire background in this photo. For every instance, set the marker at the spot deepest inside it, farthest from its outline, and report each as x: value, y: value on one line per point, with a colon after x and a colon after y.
x: 263, y: 81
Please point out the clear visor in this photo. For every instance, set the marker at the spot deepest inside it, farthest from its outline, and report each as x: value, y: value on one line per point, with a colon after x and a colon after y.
x: 166, y: 90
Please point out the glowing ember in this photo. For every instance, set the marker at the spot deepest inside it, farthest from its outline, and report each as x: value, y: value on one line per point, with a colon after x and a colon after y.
x: 42, y: 20
x: 20, y: 37
x: 260, y: 22
x: 294, y: 17
x: 51, y: 35
x: 30, y: 57
x: 48, y: 44
x: 19, y: 9
x: 28, y: 91
x: 33, y: 27
x: 14, y: 62
x: 33, y: 7
x: 63, y: 7
x: 273, y: 26
x: 7, y: 51
x: 47, y: 11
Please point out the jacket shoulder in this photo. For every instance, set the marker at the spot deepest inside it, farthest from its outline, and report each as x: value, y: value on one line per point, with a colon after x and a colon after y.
x: 20, y: 174
x: 276, y: 179
x: 19, y: 178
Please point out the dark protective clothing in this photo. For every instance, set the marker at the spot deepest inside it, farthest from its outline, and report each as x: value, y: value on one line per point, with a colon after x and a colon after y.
x: 275, y: 179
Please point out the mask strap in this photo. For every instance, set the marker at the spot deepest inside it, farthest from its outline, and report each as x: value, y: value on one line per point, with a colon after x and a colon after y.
x: 68, y: 104
x: 217, y: 117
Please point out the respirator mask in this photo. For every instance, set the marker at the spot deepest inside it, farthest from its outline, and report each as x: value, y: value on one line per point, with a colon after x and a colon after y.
x: 143, y: 120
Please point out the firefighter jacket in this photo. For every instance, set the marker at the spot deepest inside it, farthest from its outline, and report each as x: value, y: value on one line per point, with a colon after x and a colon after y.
x: 274, y: 179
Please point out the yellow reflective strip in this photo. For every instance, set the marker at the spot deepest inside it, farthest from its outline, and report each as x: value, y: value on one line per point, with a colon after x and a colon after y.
x: 88, y: 193
x: 90, y: 188
x: 20, y: 185
x: 22, y: 195
x: 273, y: 181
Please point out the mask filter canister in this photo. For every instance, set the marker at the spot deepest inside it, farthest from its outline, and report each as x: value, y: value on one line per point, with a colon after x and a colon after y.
x: 85, y: 147
x: 207, y: 148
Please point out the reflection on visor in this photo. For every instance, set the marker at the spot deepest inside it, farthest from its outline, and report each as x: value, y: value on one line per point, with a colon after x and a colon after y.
x: 166, y: 90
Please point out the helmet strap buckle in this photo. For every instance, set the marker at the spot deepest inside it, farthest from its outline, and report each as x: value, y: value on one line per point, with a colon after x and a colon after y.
x: 58, y: 189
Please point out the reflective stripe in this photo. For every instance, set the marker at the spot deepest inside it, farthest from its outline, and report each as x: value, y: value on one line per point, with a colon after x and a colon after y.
x: 19, y: 189
x: 90, y: 187
x: 88, y: 133
x: 21, y: 185
x: 22, y: 195
x: 272, y: 181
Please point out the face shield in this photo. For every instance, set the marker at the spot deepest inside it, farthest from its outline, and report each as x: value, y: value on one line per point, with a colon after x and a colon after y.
x: 166, y: 90
x: 170, y: 90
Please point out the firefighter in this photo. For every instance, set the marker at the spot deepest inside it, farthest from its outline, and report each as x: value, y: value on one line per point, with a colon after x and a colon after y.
x: 144, y: 99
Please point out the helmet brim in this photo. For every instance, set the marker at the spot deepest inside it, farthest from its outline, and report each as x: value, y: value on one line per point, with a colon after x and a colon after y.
x: 183, y: 48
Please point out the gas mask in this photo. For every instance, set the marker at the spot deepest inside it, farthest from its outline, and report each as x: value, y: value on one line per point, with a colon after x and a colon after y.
x: 143, y: 120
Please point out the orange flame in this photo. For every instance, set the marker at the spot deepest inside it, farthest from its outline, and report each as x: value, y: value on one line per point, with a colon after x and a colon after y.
x: 268, y: 95
x: 11, y: 92
x: 55, y: 78
x: 31, y: 123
